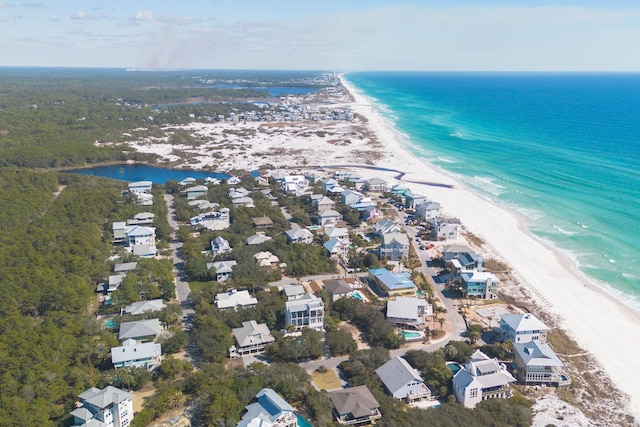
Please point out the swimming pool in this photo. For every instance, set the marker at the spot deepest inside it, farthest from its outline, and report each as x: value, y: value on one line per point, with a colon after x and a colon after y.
x: 454, y: 367
x: 357, y: 295
x: 303, y: 423
x: 411, y: 335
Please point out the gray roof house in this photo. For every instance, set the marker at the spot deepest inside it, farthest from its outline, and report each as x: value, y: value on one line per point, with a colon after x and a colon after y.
x: 376, y: 185
x: 406, y: 311
x: 140, y: 330
x: 349, y: 197
x: 270, y: 410
x: 386, y: 226
x: 141, y: 307
x: 257, y: 239
x: 337, y: 288
x: 125, y: 267
x: 137, y: 355
x: 224, y: 269
x: 294, y: 292
x: 538, y: 364
x: 104, y: 408
x: 480, y: 379
x: 395, y: 246
x: 522, y: 328
x: 196, y: 191
x: 355, y: 406
x: 251, y: 338
x: 329, y: 218
x: 235, y: 299
x: 402, y: 381
x: 325, y: 204
x: 220, y: 245
x: 301, y: 235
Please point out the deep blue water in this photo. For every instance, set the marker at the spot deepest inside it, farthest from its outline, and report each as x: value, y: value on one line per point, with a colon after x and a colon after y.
x: 140, y: 172
x: 562, y: 149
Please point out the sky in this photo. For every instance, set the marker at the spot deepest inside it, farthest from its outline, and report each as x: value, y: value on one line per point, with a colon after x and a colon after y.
x: 427, y: 35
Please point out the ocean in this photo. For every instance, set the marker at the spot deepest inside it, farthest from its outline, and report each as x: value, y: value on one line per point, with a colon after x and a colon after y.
x: 562, y: 149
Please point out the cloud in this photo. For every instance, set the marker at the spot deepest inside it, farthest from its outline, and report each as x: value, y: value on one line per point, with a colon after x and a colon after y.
x: 143, y: 15
x: 84, y: 16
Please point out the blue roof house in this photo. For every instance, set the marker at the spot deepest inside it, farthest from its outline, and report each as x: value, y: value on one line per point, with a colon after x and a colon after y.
x: 386, y: 283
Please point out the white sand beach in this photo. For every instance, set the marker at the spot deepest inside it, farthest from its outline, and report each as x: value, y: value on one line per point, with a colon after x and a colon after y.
x: 599, y: 323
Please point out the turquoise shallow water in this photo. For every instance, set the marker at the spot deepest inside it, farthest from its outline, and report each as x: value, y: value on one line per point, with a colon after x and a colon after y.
x: 562, y: 149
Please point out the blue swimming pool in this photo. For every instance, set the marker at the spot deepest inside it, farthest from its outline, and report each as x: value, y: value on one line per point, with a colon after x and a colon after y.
x: 357, y: 295
x: 303, y: 423
x: 454, y: 367
x: 411, y: 335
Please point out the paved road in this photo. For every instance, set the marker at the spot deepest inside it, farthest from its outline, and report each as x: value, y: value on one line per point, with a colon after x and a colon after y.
x: 182, y: 286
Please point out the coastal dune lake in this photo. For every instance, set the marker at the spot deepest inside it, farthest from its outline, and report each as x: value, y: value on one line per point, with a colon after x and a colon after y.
x: 562, y: 149
x: 140, y: 172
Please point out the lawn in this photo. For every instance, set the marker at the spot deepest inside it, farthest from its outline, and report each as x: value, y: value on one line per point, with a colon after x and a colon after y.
x: 327, y: 380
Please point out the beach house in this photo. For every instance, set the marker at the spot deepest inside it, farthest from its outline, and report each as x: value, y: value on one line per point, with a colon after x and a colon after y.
x: 324, y: 204
x: 257, y: 239
x: 305, y: 312
x: 109, y: 407
x: 349, y: 197
x: 394, y: 247
x: 538, y: 364
x: 141, y: 330
x: 329, y: 218
x: 142, y: 218
x: 196, y: 191
x: 262, y: 223
x: 223, y: 270
x: 428, y: 210
x: 355, y: 406
x: 141, y: 307
x: 386, y: 226
x: 377, y: 185
x: 251, y: 338
x: 235, y: 299
x: 300, y: 235
x: 140, y: 186
x: 294, y: 292
x: 133, y: 354
x: 140, y: 241
x: 446, y: 228
x: 270, y: 410
x: 522, y: 328
x: 408, y: 312
x: 402, y: 381
x: 386, y: 283
x: 118, y: 231
x: 220, y: 245
x: 480, y: 379
x: 337, y: 288
x: 412, y: 199
x: 479, y: 284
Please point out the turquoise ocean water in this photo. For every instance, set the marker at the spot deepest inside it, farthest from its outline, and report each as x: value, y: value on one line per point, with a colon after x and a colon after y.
x: 561, y: 149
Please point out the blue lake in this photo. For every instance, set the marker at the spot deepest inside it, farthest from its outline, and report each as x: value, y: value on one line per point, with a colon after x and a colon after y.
x: 139, y: 172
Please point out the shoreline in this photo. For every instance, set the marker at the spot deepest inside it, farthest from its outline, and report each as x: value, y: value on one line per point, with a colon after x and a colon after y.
x: 552, y: 277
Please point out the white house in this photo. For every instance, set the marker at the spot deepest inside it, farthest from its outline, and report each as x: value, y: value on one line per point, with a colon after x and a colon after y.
x: 408, y: 312
x: 141, y: 307
x: 118, y: 231
x: 340, y: 233
x: 376, y: 185
x: 196, y: 191
x: 349, y: 197
x: 447, y: 228
x: 132, y: 354
x: 270, y: 410
x: 109, y: 407
x: 294, y: 292
x: 294, y: 184
x: 187, y: 181
x: 140, y: 186
x: 402, y: 381
x: 428, y: 210
x: 306, y: 312
x: 140, y: 240
x: 480, y: 379
x: 386, y: 226
x: 224, y: 269
x: 142, y: 218
x: 300, y: 235
x: 235, y: 299
x: 412, y: 199
x: 522, y: 328
x: 336, y: 248
x: 247, y: 202
x: 220, y: 245
x: 395, y: 246
x: 266, y: 259
x: 538, y: 364
x: 233, y: 180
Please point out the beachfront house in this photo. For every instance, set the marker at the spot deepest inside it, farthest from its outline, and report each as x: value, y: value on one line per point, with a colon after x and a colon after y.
x: 355, y: 406
x: 412, y: 199
x: 402, y: 381
x: 446, y: 228
x: 337, y: 289
x: 408, y: 312
x: 460, y: 258
x: 223, y: 270
x: 329, y: 218
x: 270, y: 410
x: 522, y: 328
x: 386, y: 283
x: 538, y: 364
x: 300, y: 235
x: 133, y: 354
x: 141, y: 330
x: 479, y: 284
x: 399, y: 190
x: 428, y: 209
x: 376, y: 185
x: 141, y: 307
x: 305, y: 312
x: 235, y: 299
x: 251, y: 338
x: 480, y: 379
x: 109, y: 407
x: 394, y: 247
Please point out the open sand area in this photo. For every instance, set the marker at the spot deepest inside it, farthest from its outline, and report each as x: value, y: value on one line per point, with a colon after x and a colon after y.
x: 369, y: 145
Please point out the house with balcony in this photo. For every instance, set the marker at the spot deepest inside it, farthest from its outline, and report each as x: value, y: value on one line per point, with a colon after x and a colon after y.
x: 117, y: 229
x: 324, y: 204
x: 355, y: 406
x: 480, y: 379
x: 412, y: 199
x: 538, y: 364
x: 270, y: 410
x: 294, y: 184
x: 402, y: 381
x: 336, y: 248
x: 251, y: 338
x: 196, y: 192
x: 428, y: 210
x: 140, y: 330
x: 305, y: 312
x: 408, y: 312
x: 224, y: 270
x: 372, y: 214
x: 376, y: 185
x: 446, y: 228
x: 300, y: 235
x: 142, y: 218
x: 522, y: 328
x: 337, y: 289
x: 262, y: 223
x: 220, y: 245
x: 394, y: 247
x: 479, y: 284
x: 140, y: 186
x: 235, y: 299
x: 329, y: 218
x: 386, y: 226
x: 109, y: 407
x: 140, y: 240
x: 133, y: 354
x: 349, y: 197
